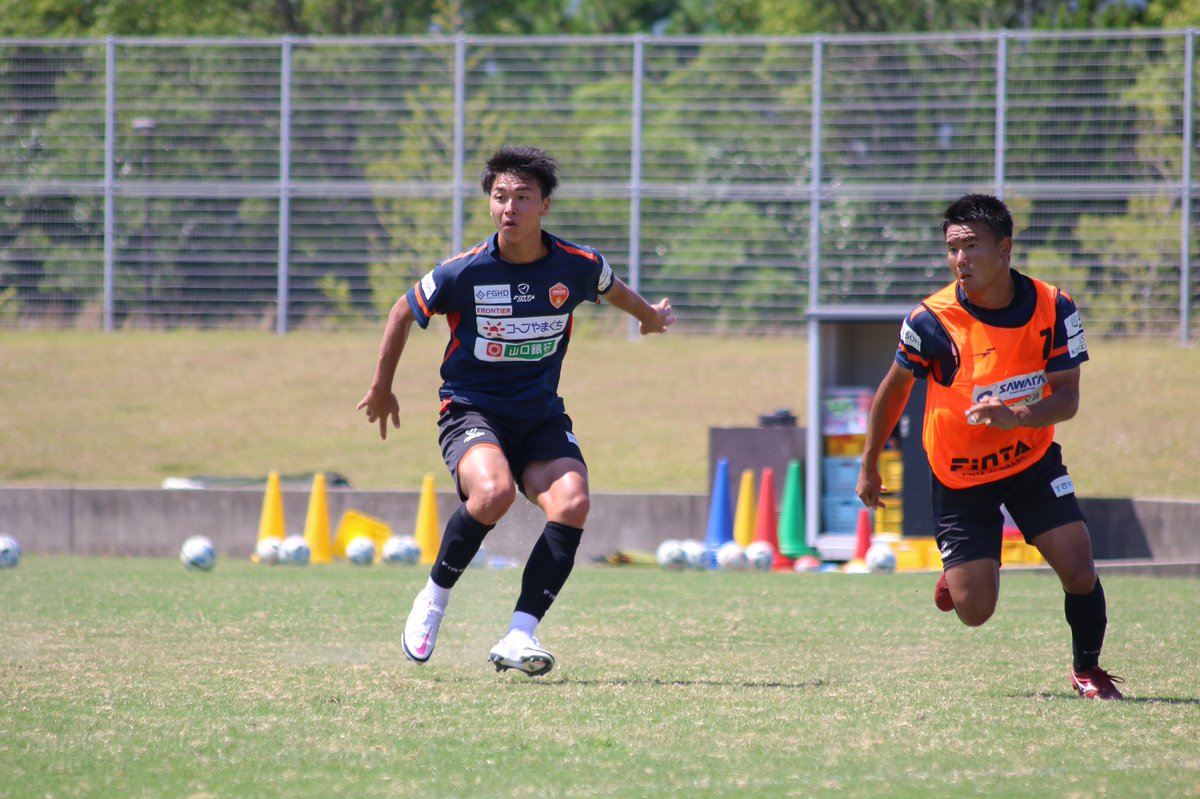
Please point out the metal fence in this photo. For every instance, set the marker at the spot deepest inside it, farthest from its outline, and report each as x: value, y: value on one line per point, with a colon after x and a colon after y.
x: 296, y: 182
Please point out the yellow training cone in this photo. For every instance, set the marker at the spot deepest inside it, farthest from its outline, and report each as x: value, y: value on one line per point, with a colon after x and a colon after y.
x: 743, y: 517
x: 354, y: 524
x: 428, y: 531
x: 316, y: 526
x: 270, y: 522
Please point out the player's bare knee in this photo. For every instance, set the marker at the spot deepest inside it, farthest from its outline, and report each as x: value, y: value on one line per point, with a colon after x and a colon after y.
x: 490, y: 500
x: 572, y: 508
x: 1080, y: 582
x: 974, y: 616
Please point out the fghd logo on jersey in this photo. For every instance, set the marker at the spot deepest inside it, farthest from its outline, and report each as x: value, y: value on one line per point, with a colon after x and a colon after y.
x: 1000, y: 459
x: 492, y: 294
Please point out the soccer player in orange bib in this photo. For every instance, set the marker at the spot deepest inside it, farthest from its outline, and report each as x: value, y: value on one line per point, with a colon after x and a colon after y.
x: 1000, y: 352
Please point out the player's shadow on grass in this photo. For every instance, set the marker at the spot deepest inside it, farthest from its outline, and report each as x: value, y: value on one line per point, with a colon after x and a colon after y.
x: 1139, y: 700
x: 658, y: 682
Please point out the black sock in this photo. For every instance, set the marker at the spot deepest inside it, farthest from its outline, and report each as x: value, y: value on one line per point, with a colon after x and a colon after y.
x: 1086, y: 613
x: 548, y: 567
x: 460, y: 541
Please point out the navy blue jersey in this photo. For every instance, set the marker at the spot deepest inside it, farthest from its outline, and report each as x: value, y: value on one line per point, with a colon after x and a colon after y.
x: 926, y: 349
x: 509, y: 323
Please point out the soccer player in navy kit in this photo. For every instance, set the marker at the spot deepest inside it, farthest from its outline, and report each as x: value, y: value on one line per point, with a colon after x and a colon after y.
x: 509, y: 303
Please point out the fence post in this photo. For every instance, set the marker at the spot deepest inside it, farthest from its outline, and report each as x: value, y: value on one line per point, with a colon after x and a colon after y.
x: 1001, y: 108
x: 285, y: 187
x: 814, y: 187
x: 460, y: 147
x: 110, y: 154
x: 1185, y: 205
x: 635, y: 174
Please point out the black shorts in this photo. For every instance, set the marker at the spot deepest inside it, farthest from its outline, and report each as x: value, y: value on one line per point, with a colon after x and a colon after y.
x: 970, y: 524
x: 461, y: 428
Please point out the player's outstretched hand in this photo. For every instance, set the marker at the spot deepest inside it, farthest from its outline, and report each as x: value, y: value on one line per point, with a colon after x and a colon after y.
x: 380, y: 405
x: 869, y: 488
x: 663, y: 318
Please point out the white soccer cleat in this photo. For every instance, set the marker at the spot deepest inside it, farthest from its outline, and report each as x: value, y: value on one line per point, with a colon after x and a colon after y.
x: 521, y: 652
x: 421, y: 629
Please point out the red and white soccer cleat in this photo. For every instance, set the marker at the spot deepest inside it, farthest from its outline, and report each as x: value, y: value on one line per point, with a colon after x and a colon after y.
x: 1096, y: 684
x: 941, y: 595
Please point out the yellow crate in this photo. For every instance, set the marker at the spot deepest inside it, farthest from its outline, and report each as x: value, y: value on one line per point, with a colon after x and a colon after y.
x: 890, y: 518
x: 844, y: 446
x: 1017, y: 552
x: 910, y: 555
x: 933, y: 555
x: 891, y: 469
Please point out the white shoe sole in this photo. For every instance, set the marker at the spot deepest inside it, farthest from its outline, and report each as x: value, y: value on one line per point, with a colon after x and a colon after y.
x: 535, y: 662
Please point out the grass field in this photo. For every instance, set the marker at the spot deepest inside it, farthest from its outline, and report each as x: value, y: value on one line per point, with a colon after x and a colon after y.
x: 239, y: 404
x: 134, y: 678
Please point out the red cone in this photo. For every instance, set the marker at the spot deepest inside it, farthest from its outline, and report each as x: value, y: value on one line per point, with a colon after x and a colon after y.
x: 862, y: 541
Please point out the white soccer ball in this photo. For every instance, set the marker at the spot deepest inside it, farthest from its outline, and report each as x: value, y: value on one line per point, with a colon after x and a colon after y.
x: 401, y: 550
x: 881, y: 558
x: 760, y: 555
x: 732, y: 557
x: 268, y: 550
x: 295, y: 551
x: 10, y: 552
x: 695, y: 553
x: 670, y: 555
x: 361, y: 551
x: 198, y: 554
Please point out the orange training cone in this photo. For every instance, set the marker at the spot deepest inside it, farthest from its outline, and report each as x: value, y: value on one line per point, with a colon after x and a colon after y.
x: 766, y: 521
x: 427, y: 533
x: 743, y: 517
x: 316, y: 525
x: 270, y: 521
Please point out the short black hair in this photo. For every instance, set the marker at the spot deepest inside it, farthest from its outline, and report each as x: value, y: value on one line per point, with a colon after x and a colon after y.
x: 984, y: 209
x: 528, y: 162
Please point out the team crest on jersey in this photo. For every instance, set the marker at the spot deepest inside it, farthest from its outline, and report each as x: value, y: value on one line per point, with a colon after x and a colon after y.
x: 559, y: 294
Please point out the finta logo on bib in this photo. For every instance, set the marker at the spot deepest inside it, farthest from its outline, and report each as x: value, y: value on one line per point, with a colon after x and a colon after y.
x: 559, y: 294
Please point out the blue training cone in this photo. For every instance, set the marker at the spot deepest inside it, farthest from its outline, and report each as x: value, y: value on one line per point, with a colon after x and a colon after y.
x: 720, y: 515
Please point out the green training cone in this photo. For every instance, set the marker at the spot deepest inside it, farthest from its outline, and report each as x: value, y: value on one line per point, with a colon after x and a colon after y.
x: 793, y: 533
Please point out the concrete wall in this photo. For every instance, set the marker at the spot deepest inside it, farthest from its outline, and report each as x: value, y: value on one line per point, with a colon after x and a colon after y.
x: 153, y: 522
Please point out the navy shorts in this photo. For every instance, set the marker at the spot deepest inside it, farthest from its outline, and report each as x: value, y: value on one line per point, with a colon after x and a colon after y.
x: 970, y: 524
x: 461, y: 428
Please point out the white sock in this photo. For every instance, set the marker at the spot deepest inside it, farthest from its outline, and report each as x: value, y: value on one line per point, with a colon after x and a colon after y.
x: 523, y: 623
x: 438, y: 595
